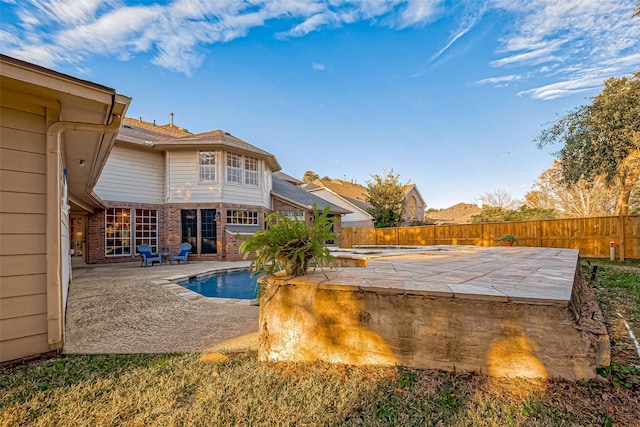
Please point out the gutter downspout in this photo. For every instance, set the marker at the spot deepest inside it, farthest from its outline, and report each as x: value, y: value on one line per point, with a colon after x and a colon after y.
x: 55, y: 309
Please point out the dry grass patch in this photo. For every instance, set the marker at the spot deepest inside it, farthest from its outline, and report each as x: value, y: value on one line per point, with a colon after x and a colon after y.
x: 181, y: 390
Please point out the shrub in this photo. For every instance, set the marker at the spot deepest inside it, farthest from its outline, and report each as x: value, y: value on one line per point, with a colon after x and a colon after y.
x: 290, y: 245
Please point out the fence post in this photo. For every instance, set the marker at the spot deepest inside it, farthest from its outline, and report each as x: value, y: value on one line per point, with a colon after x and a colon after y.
x: 539, y: 234
x: 622, y: 246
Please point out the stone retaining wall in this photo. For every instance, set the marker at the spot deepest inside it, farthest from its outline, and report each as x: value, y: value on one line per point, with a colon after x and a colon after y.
x: 301, y: 321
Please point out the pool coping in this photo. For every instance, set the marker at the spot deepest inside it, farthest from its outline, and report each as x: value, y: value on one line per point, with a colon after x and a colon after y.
x: 174, y: 285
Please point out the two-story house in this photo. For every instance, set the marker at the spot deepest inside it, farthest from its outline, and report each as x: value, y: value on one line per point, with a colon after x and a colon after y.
x: 163, y: 186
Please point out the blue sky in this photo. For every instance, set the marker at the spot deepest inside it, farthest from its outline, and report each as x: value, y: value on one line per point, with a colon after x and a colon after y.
x: 449, y: 94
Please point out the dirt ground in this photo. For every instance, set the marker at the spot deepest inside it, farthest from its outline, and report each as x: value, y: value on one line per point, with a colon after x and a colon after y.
x: 115, y: 309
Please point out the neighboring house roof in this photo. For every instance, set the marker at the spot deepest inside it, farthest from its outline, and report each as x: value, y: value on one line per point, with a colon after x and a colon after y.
x: 296, y: 195
x: 362, y: 205
x: 407, y: 189
x: 288, y: 178
x: 355, y: 194
x: 170, y: 136
x: 343, y: 188
x: 456, y: 214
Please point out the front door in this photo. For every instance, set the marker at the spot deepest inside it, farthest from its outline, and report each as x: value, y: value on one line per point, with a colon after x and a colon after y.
x: 77, y: 238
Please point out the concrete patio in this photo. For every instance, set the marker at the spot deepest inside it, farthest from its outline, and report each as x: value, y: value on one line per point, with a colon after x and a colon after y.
x: 507, y: 311
x: 119, y: 309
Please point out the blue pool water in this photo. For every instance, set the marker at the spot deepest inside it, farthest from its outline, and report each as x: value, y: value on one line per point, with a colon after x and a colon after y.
x: 232, y: 284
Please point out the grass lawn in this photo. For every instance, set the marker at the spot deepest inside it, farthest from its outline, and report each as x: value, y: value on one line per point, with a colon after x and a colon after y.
x: 170, y: 389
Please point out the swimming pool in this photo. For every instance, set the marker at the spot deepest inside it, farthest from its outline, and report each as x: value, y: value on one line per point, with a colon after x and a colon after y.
x: 230, y: 284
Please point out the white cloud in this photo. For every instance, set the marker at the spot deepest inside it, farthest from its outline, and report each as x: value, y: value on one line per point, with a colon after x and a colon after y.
x: 418, y: 12
x: 312, y: 23
x: 465, y: 27
x: 502, y: 80
x: 563, y: 88
x: 554, y: 41
x: 318, y: 67
x: 72, y: 30
x: 580, y: 43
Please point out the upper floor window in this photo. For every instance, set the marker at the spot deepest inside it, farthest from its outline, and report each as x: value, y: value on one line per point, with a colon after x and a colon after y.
x: 242, y: 217
x: 234, y: 168
x: 207, y: 165
x: 251, y: 171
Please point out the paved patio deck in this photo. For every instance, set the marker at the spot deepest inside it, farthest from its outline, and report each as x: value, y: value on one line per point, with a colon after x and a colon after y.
x: 125, y: 308
x: 119, y: 309
x: 514, y: 274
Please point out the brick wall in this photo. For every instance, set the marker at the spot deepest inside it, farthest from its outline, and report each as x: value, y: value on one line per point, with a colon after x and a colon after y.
x: 96, y: 233
x: 170, y: 230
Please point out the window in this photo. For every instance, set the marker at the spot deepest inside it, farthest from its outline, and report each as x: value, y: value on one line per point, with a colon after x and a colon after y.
x: 189, y: 222
x: 117, y: 232
x: 242, y: 217
x: 208, y: 217
x: 294, y: 215
x: 207, y: 165
x: 234, y: 168
x: 251, y: 171
x: 146, y: 229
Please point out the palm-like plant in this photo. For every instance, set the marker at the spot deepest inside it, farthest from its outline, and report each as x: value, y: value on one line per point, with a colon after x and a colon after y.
x: 290, y: 245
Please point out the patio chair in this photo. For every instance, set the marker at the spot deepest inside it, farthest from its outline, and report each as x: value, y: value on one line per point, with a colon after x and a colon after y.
x: 183, y: 254
x: 145, y: 252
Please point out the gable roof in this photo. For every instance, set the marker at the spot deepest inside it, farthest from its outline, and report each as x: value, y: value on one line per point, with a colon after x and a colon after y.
x: 456, y: 214
x: 407, y: 189
x: 296, y: 195
x: 139, y: 132
x: 342, y: 188
x: 288, y: 178
x: 169, y: 136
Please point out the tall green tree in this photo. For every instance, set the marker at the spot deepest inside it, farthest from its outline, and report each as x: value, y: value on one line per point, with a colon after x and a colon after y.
x: 602, y: 138
x: 309, y: 176
x: 385, y: 194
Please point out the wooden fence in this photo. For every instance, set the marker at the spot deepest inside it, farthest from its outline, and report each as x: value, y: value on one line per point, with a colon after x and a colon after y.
x: 592, y: 236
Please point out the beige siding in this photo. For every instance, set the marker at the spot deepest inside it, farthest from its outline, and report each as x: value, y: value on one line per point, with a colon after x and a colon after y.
x: 243, y: 195
x: 26, y: 346
x: 25, y: 182
x: 24, y: 285
x: 21, y: 223
x: 267, y: 185
x: 132, y: 175
x: 184, y: 187
x: 23, y: 299
x: 19, y: 327
x: 28, y: 305
x: 23, y: 244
